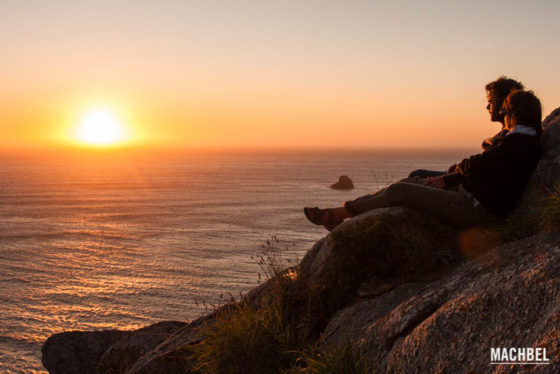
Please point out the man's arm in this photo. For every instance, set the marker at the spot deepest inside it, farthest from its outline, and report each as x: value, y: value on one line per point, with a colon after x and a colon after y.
x: 502, y: 153
x: 436, y: 182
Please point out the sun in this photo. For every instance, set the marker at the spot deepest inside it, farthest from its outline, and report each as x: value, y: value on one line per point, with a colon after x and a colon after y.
x: 100, y: 127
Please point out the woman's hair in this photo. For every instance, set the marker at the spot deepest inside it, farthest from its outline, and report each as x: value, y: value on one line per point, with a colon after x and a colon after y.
x: 526, y: 109
x: 502, y: 86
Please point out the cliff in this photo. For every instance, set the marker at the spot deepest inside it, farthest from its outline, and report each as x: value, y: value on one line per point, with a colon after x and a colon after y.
x: 390, y: 291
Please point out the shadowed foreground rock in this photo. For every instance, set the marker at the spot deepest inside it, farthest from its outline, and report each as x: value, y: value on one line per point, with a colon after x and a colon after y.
x: 509, y: 297
x: 104, y: 351
x: 400, y: 319
x: 77, y: 351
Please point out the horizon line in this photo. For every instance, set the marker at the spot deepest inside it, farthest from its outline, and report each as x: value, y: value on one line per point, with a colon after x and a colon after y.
x: 215, y: 149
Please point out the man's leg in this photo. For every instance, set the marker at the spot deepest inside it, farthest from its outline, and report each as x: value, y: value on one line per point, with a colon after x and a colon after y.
x: 358, y: 201
x: 449, y: 206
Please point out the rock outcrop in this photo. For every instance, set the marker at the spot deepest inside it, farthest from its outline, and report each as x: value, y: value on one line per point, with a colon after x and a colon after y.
x: 507, y: 298
x: 77, y: 351
x: 409, y: 294
x: 344, y: 183
x: 107, y: 351
x: 547, y: 174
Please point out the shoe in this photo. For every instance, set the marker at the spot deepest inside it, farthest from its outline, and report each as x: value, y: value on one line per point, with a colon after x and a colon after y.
x: 321, y: 217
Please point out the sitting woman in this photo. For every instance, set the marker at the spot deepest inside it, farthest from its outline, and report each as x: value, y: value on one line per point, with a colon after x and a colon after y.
x: 482, y: 186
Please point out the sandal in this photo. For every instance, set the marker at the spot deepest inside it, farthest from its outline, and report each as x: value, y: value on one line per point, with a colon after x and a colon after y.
x: 321, y: 217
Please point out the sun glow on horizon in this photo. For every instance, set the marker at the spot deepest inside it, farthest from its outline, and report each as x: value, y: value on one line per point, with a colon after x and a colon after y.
x: 100, y: 127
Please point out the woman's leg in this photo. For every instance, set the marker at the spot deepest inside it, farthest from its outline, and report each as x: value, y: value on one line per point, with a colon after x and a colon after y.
x: 453, y: 207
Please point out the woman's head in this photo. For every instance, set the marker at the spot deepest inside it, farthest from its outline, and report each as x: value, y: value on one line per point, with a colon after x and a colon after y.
x: 522, y: 108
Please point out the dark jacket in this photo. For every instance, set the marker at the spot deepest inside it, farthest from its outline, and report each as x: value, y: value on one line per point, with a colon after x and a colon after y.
x: 497, y: 177
x: 487, y: 143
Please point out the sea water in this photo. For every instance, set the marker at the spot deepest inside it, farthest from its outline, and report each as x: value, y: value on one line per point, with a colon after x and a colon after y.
x: 104, y: 240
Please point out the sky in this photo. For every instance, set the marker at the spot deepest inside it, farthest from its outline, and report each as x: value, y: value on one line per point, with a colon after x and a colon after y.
x: 270, y: 74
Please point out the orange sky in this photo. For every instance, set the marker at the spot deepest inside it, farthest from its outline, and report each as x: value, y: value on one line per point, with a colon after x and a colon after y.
x: 228, y: 74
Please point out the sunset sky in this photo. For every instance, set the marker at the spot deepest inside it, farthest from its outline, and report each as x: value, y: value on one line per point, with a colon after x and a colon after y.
x: 269, y: 74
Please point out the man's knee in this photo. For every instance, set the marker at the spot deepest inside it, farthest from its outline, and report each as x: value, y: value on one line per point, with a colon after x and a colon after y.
x: 423, y: 173
x: 395, y: 191
x: 417, y: 173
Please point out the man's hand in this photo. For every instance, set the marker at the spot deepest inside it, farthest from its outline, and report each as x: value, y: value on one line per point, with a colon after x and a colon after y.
x: 436, y: 182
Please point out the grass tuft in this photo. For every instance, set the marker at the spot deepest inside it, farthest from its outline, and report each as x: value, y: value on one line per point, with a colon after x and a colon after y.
x: 253, y: 337
x: 332, y: 360
x: 550, y: 213
x: 245, y: 340
x: 543, y: 216
x: 518, y: 225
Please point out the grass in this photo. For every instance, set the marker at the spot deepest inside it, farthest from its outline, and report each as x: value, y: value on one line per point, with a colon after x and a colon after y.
x: 543, y: 216
x: 518, y: 225
x: 245, y: 340
x: 254, y: 337
x: 332, y: 360
x: 265, y: 337
x: 549, y: 217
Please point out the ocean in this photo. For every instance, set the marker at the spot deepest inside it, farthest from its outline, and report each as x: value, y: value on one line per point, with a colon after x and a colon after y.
x: 104, y: 240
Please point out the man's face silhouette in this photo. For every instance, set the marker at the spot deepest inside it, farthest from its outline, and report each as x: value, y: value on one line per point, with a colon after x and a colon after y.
x: 494, y: 106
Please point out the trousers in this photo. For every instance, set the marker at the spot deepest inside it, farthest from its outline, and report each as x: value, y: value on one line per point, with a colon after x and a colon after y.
x: 453, y: 205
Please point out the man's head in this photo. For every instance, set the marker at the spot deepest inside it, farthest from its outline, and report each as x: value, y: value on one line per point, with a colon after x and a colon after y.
x: 496, y: 92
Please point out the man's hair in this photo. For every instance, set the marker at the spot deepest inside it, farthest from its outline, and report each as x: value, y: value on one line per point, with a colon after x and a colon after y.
x: 501, y: 87
x: 526, y: 108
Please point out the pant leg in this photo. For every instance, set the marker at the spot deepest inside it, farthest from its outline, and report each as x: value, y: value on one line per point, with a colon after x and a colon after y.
x: 356, y: 203
x: 449, y: 206
x: 415, y: 180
